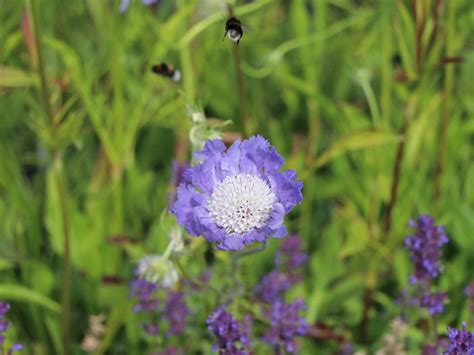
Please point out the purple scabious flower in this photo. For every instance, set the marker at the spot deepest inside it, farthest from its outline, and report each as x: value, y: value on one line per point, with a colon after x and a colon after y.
x: 4, y: 324
x: 291, y: 254
x: 425, y: 245
x: 144, y: 291
x: 175, y: 312
x: 237, y: 196
x: 433, y: 302
x: 285, y: 324
x: 461, y: 342
x: 228, y: 332
x: 177, y: 178
x: 272, y: 286
x: 125, y: 3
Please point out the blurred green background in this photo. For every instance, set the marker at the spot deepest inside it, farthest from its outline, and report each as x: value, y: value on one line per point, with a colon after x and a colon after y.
x: 371, y: 102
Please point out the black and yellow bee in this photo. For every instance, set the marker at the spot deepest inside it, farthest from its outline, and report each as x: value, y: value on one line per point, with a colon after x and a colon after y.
x: 233, y: 29
x: 166, y: 70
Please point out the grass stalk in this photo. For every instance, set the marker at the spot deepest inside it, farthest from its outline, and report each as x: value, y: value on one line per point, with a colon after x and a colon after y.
x: 57, y: 168
x: 66, y: 287
x: 396, y: 173
x: 39, y: 54
x: 446, y: 104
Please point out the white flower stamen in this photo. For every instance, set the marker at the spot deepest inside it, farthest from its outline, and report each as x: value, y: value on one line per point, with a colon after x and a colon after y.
x: 240, y: 203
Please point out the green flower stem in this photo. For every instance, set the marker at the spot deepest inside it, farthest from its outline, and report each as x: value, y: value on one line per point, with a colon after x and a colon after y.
x: 240, y: 82
x: 241, y: 90
x: 188, y: 76
x: 65, y: 297
x: 169, y: 250
x: 117, y: 196
x: 194, y: 281
x: 235, y: 266
x: 58, y: 172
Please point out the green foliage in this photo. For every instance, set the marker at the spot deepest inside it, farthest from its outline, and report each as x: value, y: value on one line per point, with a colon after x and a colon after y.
x: 88, y: 135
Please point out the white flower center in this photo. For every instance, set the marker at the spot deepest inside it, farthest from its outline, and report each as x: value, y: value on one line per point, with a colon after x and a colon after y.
x: 241, y: 202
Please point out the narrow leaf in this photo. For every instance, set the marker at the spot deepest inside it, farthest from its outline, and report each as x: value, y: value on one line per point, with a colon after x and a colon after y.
x: 355, y: 141
x: 24, y: 294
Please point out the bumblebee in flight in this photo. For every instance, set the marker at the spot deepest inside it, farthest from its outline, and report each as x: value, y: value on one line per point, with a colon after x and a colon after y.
x: 233, y: 29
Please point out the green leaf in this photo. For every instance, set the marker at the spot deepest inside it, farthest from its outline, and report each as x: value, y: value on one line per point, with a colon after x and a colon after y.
x: 420, y: 128
x: 355, y: 141
x: 5, y: 264
x: 27, y: 295
x: 13, y: 78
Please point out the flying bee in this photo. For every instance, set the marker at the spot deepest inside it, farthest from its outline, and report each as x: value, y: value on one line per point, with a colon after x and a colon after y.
x: 233, y: 29
x: 167, y: 70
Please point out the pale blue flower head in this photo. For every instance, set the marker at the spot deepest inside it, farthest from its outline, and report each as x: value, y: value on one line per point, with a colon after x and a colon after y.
x: 237, y: 196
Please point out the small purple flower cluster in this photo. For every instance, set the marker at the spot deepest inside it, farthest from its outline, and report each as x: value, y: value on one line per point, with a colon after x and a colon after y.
x: 144, y: 291
x: 433, y: 302
x: 289, y: 259
x: 291, y: 254
x: 4, y: 324
x: 285, y: 320
x: 231, y: 335
x: 461, y: 342
x: 174, y: 312
x: 272, y: 286
x: 285, y: 324
x: 425, y: 246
